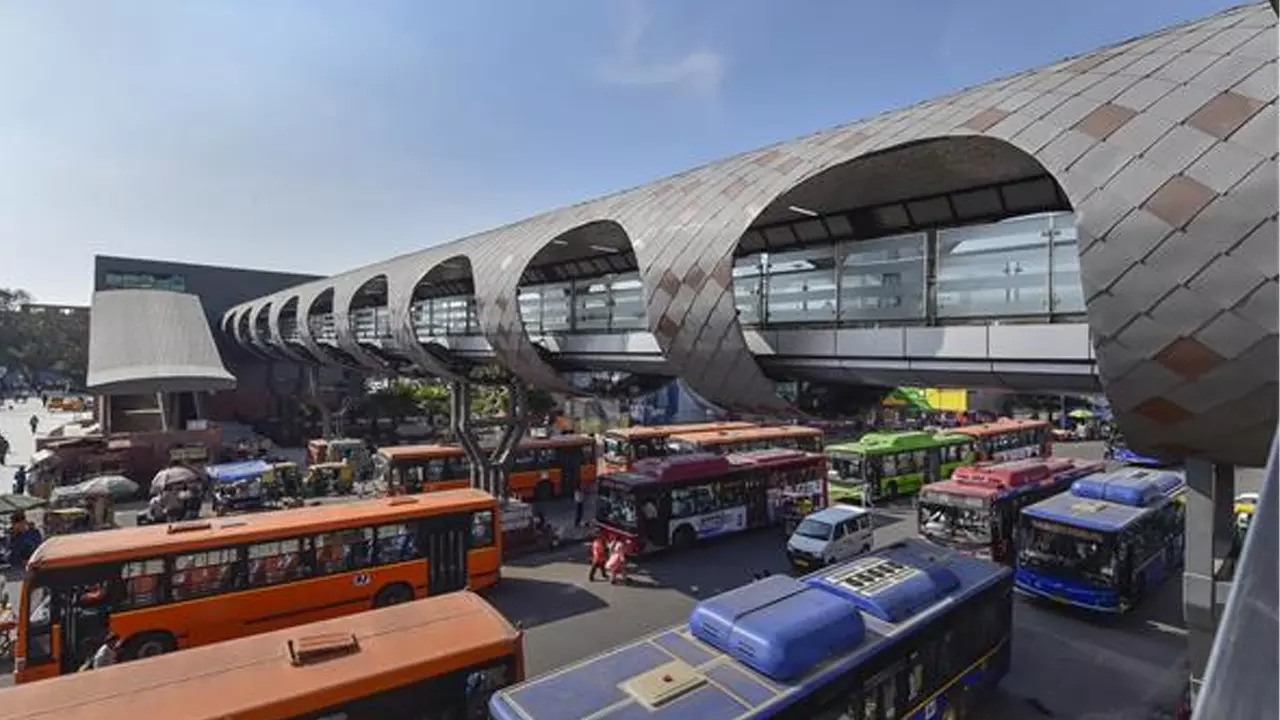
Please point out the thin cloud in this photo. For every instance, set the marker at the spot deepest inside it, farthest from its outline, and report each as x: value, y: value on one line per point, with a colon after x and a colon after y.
x: 699, y: 72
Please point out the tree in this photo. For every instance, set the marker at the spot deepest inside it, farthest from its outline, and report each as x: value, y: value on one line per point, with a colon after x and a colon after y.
x: 38, y: 341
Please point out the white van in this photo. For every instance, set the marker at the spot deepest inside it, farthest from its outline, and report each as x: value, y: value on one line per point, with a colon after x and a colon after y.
x: 831, y: 535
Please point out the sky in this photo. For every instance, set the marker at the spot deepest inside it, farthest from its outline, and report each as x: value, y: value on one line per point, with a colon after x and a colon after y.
x: 319, y: 135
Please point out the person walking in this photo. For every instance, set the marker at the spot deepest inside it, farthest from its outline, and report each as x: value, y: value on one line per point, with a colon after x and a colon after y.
x: 617, y: 565
x: 35, y: 423
x: 599, y: 553
x: 107, y: 654
x: 20, y: 480
x: 578, y: 501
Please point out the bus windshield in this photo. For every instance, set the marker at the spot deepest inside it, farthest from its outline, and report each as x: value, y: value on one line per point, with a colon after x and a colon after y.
x: 815, y: 529
x: 1068, y: 551
x: 850, y: 468
x: 616, y: 449
x: 616, y: 507
x: 949, y: 524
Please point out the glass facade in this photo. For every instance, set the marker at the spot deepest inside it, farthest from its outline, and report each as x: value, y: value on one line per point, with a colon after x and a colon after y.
x: 1022, y: 267
x: 372, y: 324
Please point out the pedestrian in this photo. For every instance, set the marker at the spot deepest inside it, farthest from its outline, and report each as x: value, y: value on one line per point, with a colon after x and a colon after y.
x: 35, y: 422
x: 617, y: 565
x: 577, y: 507
x: 107, y: 653
x: 4, y: 449
x: 599, y: 553
x: 20, y: 480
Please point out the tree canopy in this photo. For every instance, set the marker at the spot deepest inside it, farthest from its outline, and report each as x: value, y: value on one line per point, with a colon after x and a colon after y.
x: 36, y: 340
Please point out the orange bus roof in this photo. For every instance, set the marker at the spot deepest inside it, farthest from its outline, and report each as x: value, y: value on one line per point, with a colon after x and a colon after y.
x: 643, y: 432
x: 151, y: 540
x: 723, y: 437
x: 405, y: 452
x: 1002, y: 425
x: 252, y: 677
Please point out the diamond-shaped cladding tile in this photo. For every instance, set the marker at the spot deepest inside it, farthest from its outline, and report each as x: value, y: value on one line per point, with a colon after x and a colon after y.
x: 667, y: 327
x: 669, y: 283
x: 694, y: 278
x: 1222, y: 115
x: 1189, y: 358
x: 985, y: 119
x: 1162, y: 411
x: 1104, y: 120
x: 1179, y: 200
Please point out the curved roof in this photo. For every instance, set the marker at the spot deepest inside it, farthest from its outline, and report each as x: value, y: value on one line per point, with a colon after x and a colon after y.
x: 128, y: 355
x: 1165, y: 145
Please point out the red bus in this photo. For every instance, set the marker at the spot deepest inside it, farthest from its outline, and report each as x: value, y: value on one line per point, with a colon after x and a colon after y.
x: 1009, y: 439
x: 676, y: 501
x: 624, y: 446
x: 976, y: 510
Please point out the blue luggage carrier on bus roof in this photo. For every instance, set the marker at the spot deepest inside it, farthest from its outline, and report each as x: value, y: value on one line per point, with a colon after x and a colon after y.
x: 779, y: 626
x: 1133, y: 487
x: 728, y: 663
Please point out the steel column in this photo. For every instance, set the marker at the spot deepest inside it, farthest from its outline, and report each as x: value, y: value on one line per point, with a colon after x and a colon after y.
x: 1209, y: 529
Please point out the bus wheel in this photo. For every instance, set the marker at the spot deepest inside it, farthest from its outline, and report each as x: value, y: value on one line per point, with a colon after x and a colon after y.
x: 148, y: 644
x: 543, y: 491
x: 393, y: 595
x: 684, y: 537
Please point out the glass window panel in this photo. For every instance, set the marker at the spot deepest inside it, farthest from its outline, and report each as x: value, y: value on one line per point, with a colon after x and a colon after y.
x: 1030, y: 195
x: 801, y: 286
x: 883, y: 279
x: 747, y: 275
x: 839, y: 225
x: 977, y: 203
x: 628, y: 302
x: 1068, y: 295
x: 780, y: 236
x: 591, y: 306
x: 811, y: 230
x: 995, y: 270
x: 931, y: 211
x: 891, y: 216
x: 751, y: 242
x: 530, y: 301
x: 555, y: 306
x: 343, y: 550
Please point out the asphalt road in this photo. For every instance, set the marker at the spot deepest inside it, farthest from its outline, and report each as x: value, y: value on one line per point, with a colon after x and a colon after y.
x: 1066, y: 665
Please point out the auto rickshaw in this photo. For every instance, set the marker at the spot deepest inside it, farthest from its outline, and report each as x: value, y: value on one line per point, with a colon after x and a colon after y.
x: 328, y: 478
x: 354, y: 451
x: 1246, y: 504
x: 72, y: 511
x: 285, y: 481
x: 239, y: 485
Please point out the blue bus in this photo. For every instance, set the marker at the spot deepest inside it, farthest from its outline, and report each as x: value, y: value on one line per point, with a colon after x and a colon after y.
x: 1102, y: 544
x: 907, y: 631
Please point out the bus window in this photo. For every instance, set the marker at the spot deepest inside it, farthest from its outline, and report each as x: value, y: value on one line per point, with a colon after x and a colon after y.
x: 276, y: 561
x: 40, y: 625
x: 141, y: 584
x: 482, y: 529
x: 396, y: 543
x: 694, y: 500
x: 890, y: 465
x: 616, y: 507
x: 343, y: 550
x: 436, y: 470
x: 204, y: 573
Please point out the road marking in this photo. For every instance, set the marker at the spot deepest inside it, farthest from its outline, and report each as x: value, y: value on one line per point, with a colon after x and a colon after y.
x: 1167, y: 628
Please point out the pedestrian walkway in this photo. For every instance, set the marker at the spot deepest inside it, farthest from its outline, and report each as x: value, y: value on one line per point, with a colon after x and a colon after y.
x: 22, y: 443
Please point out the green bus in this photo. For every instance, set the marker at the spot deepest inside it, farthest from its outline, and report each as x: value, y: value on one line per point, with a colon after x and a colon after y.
x: 885, y: 465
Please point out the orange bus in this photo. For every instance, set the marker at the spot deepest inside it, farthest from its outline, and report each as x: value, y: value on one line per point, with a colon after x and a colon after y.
x: 623, y: 446
x: 442, y: 656
x: 165, y: 587
x: 542, y: 468
x: 789, y: 437
x: 1009, y: 439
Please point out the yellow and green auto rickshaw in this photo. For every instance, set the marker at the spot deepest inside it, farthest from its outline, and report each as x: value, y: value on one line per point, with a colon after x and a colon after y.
x: 328, y: 478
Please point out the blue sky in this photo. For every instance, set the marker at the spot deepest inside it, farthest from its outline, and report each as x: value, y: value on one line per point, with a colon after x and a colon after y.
x: 319, y: 135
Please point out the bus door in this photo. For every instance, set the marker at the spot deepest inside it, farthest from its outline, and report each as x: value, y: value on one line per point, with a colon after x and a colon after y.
x: 570, y: 461
x: 80, y: 606
x: 444, y: 540
x: 932, y: 465
x: 757, y: 497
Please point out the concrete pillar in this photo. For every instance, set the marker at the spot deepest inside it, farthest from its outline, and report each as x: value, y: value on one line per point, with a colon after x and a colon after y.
x: 1209, y: 529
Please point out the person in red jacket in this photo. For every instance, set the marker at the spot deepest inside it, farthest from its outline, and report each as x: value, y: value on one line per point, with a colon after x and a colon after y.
x: 598, y: 556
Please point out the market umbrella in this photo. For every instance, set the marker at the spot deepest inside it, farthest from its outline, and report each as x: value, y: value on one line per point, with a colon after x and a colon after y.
x: 10, y: 503
x: 117, y: 487
x: 177, y: 475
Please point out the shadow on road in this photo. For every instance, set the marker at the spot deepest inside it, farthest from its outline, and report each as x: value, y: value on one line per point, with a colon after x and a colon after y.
x: 537, y: 602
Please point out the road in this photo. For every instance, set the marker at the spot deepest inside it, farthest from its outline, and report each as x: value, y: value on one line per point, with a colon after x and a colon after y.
x: 1065, y: 665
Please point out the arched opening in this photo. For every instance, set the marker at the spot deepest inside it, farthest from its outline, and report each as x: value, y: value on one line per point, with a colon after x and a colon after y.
x: 959, y: 230
x: 243, y: 327
x: 262, y: 331
x: 370, y: 319
x: 320, y: 322
x: 583, y: 287
x: 443, y: 313
x: 288, y: 323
